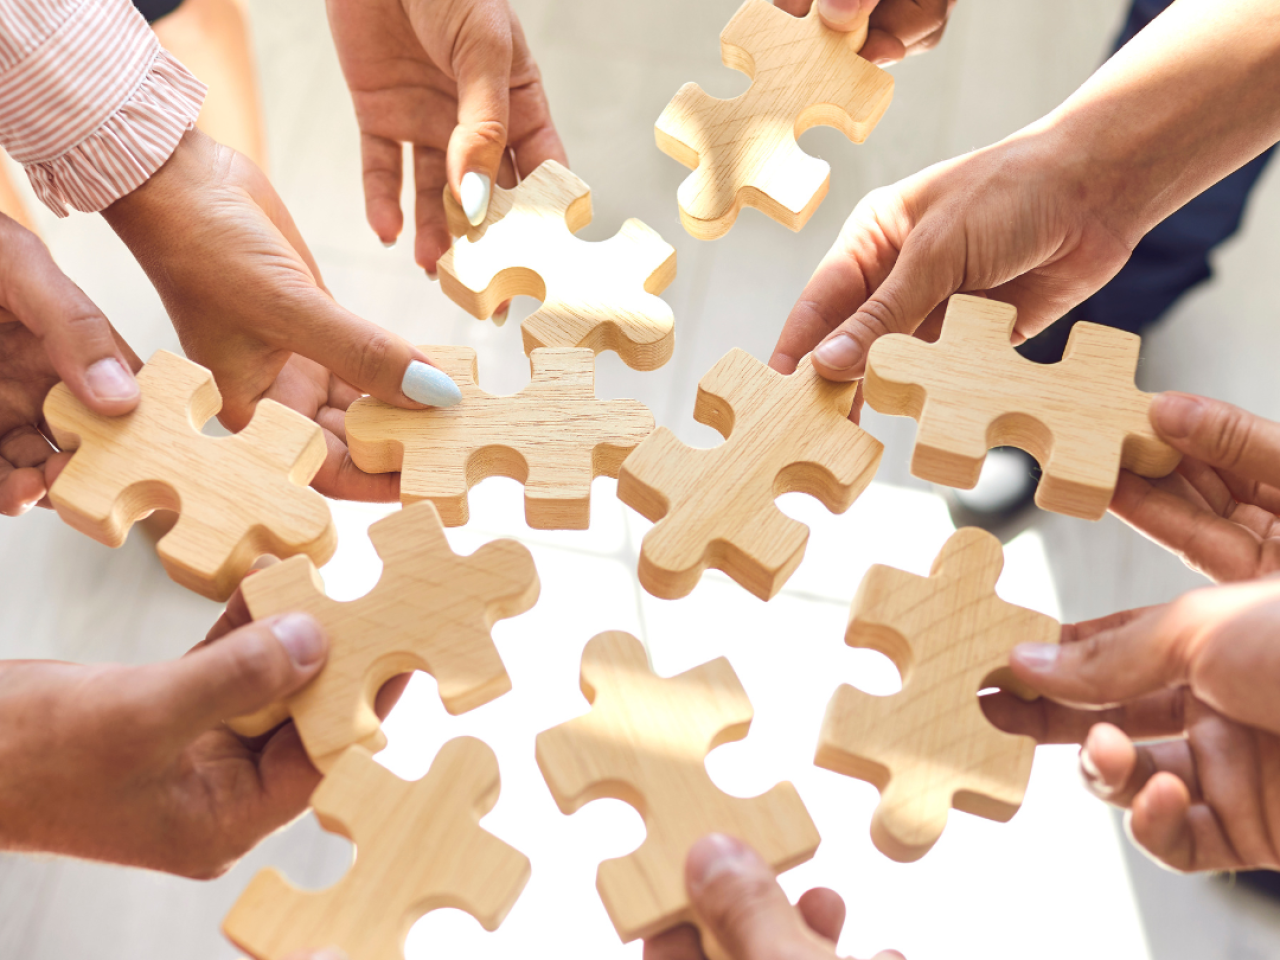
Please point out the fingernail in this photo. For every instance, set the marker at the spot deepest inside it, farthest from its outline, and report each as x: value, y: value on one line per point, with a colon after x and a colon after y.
x: 839, y: 11
x: 717, y: 854
x: 1040, y: 657
x: 26, y: 507
x: 1176, y: 414
x: 475, y: 197
x: 430, y: 385
x: 301, y: 636
x: 500, y: 317
x: 388, y: 243
x: 1092, y: 776
x: 839, y: 353
x: 885, y: 62
x: 333, y: 953
x: 109, y: 380
x: 432, y: 275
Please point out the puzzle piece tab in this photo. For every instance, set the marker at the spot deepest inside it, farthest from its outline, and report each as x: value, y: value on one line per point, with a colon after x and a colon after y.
x: 598, y: 295
x: 432, y: 610
x: 743, y: 152
x: 1082, y: 418
x: 930, y: 747
x: 714, y: 508
x: 237, y: 497
x: 645, y: 742
x: 420, y: 848
x: 553, y: 436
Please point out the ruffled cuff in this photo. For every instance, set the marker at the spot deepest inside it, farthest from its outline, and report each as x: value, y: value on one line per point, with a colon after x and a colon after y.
x: 112, y: 106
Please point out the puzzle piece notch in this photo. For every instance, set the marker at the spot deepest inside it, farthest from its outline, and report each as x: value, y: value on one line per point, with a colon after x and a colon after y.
x: 715, y: 507
x: 431, y: 610
x: 1083, y: 418
x: 930, y: 747
x: 237, y: 497
x: 645, y: 742
x: 743, y: 151
x: 554, y: 436
x: 450, y: 862
x: 602, y: 296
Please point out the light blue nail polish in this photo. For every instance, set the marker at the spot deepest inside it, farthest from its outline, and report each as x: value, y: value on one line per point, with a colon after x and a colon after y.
x: 427, y: 384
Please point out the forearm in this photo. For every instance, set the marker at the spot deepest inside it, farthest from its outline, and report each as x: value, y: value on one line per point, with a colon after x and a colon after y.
x: 1191, y: 98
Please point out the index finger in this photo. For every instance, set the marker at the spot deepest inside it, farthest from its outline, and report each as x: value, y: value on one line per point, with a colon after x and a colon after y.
x: 1219, y: 434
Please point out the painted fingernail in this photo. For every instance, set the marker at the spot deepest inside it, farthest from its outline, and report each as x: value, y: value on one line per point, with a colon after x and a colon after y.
x: 26, y: 507
x: 717, y: 854
x: 1092, y: 776
x: 475, y: 197
x: 839, y: 353
x: 432, y: 275
x: 1176, y: 414
x: 430, y: 385
x: 388, y: 243
x: 109, y: 380
x: 1041, y: 657
x: 839, y: 12
x: 500, y: 317
x: 301, y: 637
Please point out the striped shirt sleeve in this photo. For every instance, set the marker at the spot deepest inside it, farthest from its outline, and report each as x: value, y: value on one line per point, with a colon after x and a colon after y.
x: 90, y: 104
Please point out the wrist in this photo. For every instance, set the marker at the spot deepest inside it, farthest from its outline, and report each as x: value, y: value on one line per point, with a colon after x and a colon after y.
x: 160, y: 196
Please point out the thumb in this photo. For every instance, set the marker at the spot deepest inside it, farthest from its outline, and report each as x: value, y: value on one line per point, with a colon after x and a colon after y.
x: 77, y: 338
x: 737, y: 898
x: 846, y: 16
x: 239, y: 674
x: 1219, y: 434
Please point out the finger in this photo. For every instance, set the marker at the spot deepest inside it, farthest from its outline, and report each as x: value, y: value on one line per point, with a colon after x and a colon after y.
x: 340, y: 479
x: 1161, y: 823
x: 330, y: 953
x: 432, y: 238
x: 845, y: 16
x: 824, y: 911
x: 916, y: 22
x: 738, y: 900
x: 1218, y: 433
x: 21, y: 488
x: 383, y: 162
x: 1158, y: 715
x: 1116, y: 770
x: 234, y: 616
x: 882, y: 48
x: 533, y: 134
x: 678, y: 943
x: 80, y: 343
x: 244, y: 671
x: 797, y: 8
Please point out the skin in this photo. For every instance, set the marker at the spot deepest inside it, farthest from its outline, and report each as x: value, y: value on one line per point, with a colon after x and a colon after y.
x: 454, y: 79
x: 737, y: 899
x: 898, y: 28
x: 1046, y: 217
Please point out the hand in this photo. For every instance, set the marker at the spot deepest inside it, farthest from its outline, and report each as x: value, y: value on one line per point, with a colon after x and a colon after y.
x: 737, y: 898
x: 1014, y: 220
x: 246, y: 298
x: 455, y: 79
x: 133, y: 765
x: 1202, y: 670
x: 1220, y: 510
x: 49, y: 331
x: 898, y: 28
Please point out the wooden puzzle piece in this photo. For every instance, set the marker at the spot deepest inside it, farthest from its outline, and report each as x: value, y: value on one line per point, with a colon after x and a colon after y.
x: 714, y: 508
x: 930, y: 747
x: 743, y: 152
x: 645, y: 742
x: 553, y: 436
x: 419, y: 848
x: 237, y: 497
x: 1082, y: 418
x: 598, y: 295
x: 432, y: 610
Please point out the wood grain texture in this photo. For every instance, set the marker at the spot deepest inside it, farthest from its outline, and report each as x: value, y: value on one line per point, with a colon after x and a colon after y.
x: 715, y: 508
x: 645, y: 742
x: 419, y: 847
x: 743, y: 152
x: 237, y: 497
x: 930, y: 747
x: 1082, y: 418
x: 432, y: 610
x: 598, y: 295
x: 553, y: 436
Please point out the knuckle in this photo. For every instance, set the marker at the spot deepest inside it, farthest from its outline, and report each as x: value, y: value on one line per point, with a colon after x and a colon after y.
x: 254, y: 662
x: 735, y: 902
x: 489, y: 135
x: 374, y: 354
x: 1230, y: 436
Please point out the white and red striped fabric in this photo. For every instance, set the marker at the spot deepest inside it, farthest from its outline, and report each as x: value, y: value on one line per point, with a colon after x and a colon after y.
x: 90, y: 104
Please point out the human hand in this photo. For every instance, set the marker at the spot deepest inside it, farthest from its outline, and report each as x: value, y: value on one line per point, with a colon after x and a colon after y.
x: 455, y: 79
x: 738, y: 900
x: 246, y: 298
x: 898, y: 28
x: 1199, y: 675
x: 49, y: 331
x: 132, y: 764
x: 1220, y: 510
x: 1016, y: 220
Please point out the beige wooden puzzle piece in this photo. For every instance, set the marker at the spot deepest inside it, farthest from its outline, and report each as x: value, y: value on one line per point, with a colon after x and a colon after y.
x: 432, y: 610
x: 1082, y: 418
x: 645, y: 742
x: 237, y: 497
x: 715, y: 508
x: 553, y: 436
x: 930, y: 747
x: 743, y: 152
x: 598, y: 295
x: 419, y: 848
